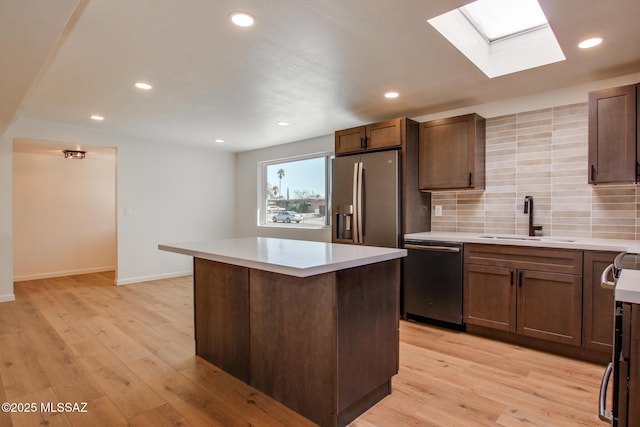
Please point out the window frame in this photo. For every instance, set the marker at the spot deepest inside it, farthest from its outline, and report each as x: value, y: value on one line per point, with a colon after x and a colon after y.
x: 261, y: 214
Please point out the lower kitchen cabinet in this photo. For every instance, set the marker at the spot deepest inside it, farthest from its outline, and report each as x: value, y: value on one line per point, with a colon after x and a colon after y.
x: 533, y: 292
x: 598, y: 310
x: 550, y: 306
x: 490, y: 297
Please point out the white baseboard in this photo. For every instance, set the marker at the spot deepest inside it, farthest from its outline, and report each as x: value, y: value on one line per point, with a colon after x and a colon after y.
x: 153, y: 277
x: 7, y: 298
x: 63, y: 273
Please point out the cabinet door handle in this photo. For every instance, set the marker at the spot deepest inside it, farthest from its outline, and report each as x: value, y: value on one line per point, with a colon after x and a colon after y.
x: 520, y: 279
x: 513, y: 276
x: 593, y: 172
x: 470, y: 179
x: 362, y: 142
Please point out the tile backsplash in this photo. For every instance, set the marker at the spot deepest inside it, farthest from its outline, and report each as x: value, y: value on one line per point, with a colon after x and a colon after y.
x: 543, y: 154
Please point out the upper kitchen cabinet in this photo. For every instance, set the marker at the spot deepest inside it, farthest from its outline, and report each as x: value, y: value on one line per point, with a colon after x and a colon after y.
x: 376, y: 136
x: 452, y: 154
x: 613, y: 135
x: 398, y: 134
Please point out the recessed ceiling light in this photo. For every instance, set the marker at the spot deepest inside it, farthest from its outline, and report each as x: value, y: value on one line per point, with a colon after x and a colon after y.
x: 220, y: 141
x: 97, y: 118
x: 242, y: 19
x: 586, y: 44
x: 282, y: 123
x: 391, y: 95
x: 143, y: 85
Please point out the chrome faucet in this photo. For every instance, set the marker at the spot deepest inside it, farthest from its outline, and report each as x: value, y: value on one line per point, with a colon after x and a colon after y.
x: 528, y: 209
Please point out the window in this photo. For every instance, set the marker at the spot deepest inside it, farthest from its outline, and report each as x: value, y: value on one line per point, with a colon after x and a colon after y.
x: 294, y: 192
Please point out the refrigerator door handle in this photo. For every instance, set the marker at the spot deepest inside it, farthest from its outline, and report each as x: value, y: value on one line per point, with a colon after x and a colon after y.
x: 355, y: 203
x: 360, y: 208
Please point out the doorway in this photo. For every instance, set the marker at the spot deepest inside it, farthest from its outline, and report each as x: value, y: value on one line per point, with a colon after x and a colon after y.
x: 64, y: 210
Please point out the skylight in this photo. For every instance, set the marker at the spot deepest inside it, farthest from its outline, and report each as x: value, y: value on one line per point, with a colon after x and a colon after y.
x: 497, y: 19
x: 501, y: 36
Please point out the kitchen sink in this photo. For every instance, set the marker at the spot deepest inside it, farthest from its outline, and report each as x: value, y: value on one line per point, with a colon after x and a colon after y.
x: 526, y: 238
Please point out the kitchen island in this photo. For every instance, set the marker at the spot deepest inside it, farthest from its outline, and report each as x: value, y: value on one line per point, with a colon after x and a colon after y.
x: 313, y: 325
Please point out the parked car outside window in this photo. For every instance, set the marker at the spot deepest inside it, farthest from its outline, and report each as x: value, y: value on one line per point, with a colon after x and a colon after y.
x: 274, y: 209
x: 287, y: 216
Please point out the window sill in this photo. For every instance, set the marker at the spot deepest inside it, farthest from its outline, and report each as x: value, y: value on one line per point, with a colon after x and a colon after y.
x: 300, y: 226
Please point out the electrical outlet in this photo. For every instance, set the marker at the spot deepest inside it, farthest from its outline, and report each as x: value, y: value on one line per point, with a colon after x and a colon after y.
x: 438, y: 210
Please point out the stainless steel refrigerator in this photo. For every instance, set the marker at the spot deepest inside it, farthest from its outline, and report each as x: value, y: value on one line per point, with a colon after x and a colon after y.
x: 366, y: 199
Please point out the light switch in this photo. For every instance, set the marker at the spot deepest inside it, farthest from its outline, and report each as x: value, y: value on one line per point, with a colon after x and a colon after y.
x: 127, y: 211
x: 438, y: 210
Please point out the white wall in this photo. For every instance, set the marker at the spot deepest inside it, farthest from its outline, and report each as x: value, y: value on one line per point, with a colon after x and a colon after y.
x: 6, y: 245
x: 172, y: 193
x: 248, y: 200
x: 63, y: 214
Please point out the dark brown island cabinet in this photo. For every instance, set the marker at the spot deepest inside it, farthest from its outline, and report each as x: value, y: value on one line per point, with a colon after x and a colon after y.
x: 452, y: 154
x: 325, y: 345
x: 614, y: 129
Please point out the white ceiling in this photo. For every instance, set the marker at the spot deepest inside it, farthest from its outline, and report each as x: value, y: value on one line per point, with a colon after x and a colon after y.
x: 320, y: 65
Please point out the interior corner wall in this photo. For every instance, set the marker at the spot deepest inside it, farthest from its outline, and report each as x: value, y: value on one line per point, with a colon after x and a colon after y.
x: 6, y: 225
x: 63, y: 215
x: 166, y: 193
x: 170, y: 194
x: 247, y: 201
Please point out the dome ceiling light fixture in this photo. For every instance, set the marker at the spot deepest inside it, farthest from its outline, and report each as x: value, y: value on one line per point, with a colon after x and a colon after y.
x: 74, y: 154
x: 391, y: 95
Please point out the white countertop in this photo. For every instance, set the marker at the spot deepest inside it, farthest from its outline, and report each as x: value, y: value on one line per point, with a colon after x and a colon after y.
x: 299, y: 258
x: 628, y: 286
x: 580, y: 243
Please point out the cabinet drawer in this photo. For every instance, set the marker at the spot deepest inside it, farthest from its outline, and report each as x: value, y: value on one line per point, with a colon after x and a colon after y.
x: 554, y: 260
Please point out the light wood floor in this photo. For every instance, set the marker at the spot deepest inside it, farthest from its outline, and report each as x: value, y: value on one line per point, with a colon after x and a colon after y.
x: 128, y: 352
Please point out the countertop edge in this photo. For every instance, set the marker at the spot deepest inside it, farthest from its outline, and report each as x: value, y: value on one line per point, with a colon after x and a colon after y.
x: 588, y: 244
x: 392, y: 254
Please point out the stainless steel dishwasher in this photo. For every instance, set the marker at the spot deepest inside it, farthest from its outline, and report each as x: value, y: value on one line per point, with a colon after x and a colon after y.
x: 432, y: 281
